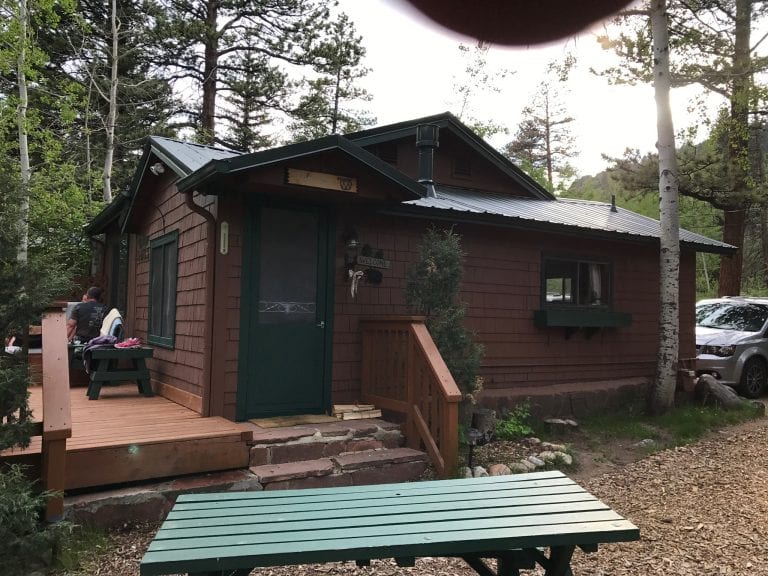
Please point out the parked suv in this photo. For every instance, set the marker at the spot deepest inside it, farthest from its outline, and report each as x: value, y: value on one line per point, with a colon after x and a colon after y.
x: 732, y: 342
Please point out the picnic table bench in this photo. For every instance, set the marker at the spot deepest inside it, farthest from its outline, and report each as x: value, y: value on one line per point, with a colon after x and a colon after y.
x: 507, y: 518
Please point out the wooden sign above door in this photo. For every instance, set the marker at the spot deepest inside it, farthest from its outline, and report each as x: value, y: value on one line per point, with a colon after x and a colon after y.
x: 321, y: 180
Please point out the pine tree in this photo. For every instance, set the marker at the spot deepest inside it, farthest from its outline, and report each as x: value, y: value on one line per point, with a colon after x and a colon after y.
x: 203, y: 43
x: 432, y: 289
x: 325, y: 108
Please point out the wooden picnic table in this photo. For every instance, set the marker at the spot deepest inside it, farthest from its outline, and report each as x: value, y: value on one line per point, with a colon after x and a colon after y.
x: 507, y: 518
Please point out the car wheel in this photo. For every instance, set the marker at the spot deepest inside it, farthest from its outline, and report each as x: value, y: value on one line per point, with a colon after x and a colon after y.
x: 753, y: 378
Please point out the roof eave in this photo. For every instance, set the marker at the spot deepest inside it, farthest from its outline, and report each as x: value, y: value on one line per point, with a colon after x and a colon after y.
x: 202, y: 178
x: 110, y: 213
x: 536, y: 225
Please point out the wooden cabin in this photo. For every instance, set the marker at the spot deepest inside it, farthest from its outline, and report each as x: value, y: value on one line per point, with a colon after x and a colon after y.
x: 239, y: 269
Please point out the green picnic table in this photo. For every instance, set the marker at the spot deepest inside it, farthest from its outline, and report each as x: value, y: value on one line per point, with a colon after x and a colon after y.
x: 511, y: 519
x: 106, y: 368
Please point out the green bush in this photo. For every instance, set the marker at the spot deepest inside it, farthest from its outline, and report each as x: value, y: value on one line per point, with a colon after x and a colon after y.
x: 26, y: 545
x: 15, y: 417
x: 515, y: 424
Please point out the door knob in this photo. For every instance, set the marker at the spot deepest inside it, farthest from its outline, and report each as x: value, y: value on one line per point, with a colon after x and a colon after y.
x: 321, y: 324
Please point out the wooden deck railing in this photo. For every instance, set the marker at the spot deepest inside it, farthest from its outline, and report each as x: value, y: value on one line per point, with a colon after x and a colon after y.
x: 57, y: 414
x: 403, y: 371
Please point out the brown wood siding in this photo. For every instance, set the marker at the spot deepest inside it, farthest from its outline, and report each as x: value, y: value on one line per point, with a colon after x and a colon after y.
x: 182, y: 366
x: 501, y: 288
x: 226, y: 333
x: 484, y: 175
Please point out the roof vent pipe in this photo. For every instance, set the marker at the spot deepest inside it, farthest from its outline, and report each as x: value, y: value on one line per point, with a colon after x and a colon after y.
x: 427, y: 141
x: 613, y: 203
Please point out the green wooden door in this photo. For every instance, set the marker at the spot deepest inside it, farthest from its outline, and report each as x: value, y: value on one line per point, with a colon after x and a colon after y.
x: 284, y: 357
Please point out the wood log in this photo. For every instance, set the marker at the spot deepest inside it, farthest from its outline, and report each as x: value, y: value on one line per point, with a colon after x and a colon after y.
x: 484, y: 420
x: 710, y: 391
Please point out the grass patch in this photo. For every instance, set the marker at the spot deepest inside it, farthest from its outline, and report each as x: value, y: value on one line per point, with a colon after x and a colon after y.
x: 682, y: 425
x: 688, y: 423
x: 79, y: 551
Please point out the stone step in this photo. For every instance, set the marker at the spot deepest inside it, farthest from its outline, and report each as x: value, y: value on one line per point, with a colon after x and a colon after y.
x: 308, y: 442
x: 349, y: 469
x: 150, y: 502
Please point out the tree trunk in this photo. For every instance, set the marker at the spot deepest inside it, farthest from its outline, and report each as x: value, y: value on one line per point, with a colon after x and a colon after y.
x: 738, y: 151
x: 730, y: 264
x: 112, y: 115
x: 666, y: 365
x: 336, y: 97
x: 21, y: 118
x: 764, y: 242
x: 210, y: 72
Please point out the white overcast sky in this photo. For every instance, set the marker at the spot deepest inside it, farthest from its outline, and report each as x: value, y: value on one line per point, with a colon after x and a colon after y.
x: 414, y: 64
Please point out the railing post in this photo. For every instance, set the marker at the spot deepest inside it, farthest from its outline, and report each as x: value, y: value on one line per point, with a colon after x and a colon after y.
x: 449, y: 437
x: 412, y: 435
x: 57, y: 417
x: 425, y: 392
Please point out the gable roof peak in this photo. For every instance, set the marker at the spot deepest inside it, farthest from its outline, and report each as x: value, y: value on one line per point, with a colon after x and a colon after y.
x: 469, y: 137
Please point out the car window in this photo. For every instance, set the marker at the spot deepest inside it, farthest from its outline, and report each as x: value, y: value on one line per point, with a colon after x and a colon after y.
x: 732, y: 316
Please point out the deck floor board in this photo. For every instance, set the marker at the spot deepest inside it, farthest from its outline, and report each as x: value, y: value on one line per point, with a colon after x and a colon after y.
x: 123, y: 419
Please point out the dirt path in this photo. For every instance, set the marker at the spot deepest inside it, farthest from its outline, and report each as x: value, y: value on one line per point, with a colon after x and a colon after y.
x: 702, y: 509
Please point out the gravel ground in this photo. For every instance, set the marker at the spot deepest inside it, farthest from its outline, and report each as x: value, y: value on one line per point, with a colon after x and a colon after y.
x: 702, y: 509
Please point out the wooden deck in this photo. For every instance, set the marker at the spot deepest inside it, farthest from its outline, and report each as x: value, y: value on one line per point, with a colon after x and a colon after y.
x: 124, y: 437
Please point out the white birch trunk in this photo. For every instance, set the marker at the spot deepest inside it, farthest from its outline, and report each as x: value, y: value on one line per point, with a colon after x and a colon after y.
x: 669, y: 273
x: 21, y: 118
x: 109, y: 153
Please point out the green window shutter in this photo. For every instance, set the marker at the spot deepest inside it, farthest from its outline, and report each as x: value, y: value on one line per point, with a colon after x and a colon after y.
x: 163, y: 274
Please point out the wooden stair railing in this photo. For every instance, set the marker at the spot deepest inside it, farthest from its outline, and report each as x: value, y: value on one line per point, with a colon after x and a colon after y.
x: 57, y: 412
x: 402, y: 371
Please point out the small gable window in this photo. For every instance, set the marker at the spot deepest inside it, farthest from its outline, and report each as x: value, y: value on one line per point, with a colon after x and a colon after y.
x: 573, y: 282
x: 163, y: 268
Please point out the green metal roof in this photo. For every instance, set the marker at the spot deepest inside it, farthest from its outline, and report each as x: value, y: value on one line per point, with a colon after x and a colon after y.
x: 582, y: 217
x: 198, y: 167
x: 181, y: 157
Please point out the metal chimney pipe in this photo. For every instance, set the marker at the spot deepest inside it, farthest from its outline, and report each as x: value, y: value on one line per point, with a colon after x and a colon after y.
x: 427, y: 141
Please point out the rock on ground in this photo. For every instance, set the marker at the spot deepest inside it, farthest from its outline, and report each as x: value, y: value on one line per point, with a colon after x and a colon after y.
x: 702, y: 510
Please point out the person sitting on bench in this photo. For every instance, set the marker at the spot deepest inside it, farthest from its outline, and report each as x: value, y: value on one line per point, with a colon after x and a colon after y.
x: 87, y: 317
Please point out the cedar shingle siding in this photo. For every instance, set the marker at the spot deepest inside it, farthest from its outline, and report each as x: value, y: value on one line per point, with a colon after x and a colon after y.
x: 181, y: 366
x: 502, y: 288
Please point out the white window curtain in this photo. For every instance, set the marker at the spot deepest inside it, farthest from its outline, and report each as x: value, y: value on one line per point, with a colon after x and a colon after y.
x: 595, y: 283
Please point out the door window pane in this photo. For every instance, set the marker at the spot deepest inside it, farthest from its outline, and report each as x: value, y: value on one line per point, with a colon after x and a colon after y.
x: 287, y: 267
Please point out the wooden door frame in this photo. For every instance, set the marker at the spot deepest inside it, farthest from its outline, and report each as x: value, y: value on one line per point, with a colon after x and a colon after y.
x: 248, y: 283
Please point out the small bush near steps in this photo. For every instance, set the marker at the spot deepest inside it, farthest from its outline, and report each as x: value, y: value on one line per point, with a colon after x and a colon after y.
x: 515, y: 425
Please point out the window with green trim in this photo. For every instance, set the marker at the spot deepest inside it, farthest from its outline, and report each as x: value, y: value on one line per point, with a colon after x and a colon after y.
x: 575, y: 282
x: 163, y: 268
